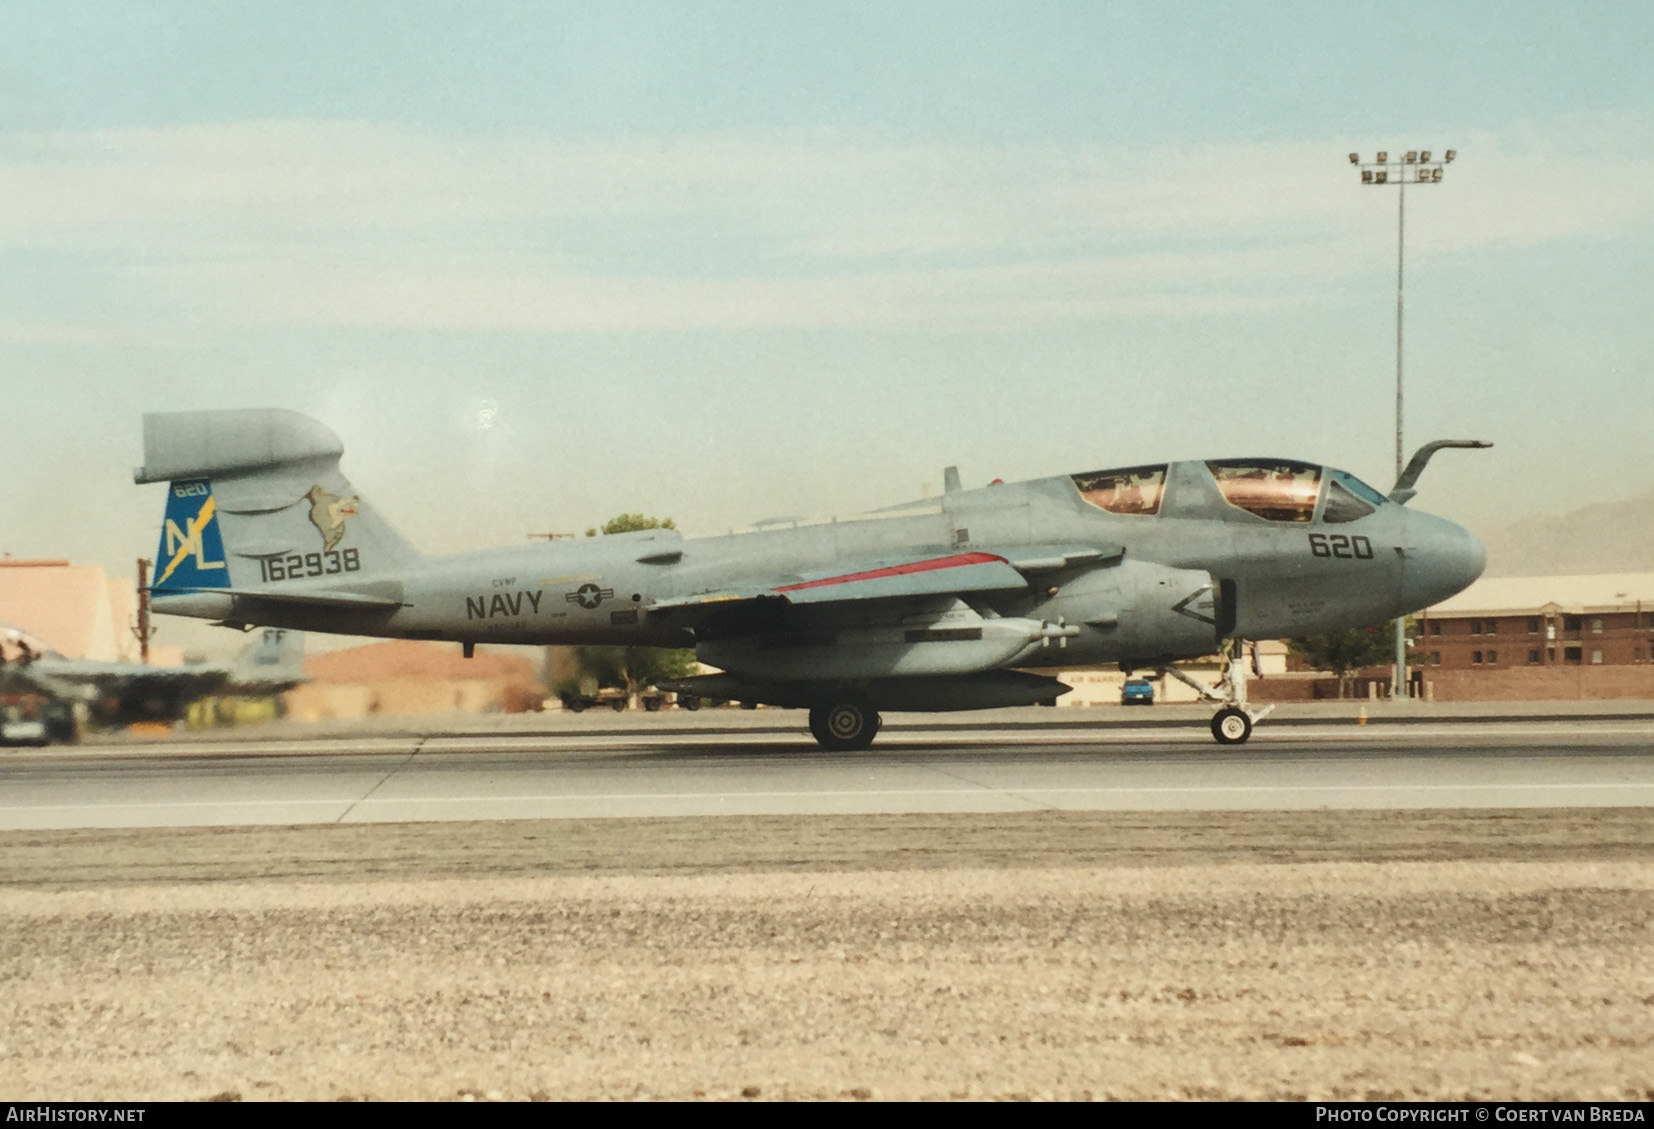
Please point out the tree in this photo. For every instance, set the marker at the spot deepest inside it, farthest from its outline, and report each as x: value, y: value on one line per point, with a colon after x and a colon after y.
x: 1345, y: 652
x: 622, y: 668
x: 631, y: 523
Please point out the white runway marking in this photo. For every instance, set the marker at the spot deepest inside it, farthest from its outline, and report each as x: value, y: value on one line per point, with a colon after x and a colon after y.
x: 986, y: 769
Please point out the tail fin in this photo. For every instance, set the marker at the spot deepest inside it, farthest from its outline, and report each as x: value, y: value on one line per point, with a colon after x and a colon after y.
x: 256, y: 500
x: 274, y: 662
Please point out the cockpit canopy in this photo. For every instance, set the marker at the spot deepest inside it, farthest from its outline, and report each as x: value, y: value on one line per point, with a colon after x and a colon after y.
x: 1275, y: 490
x: 1129, y: 490
x: 1283, y: 490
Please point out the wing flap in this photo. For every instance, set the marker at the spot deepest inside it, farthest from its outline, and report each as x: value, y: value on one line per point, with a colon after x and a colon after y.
x: 926, y: 576
x: 1031, y: 559
x: 932, y: 575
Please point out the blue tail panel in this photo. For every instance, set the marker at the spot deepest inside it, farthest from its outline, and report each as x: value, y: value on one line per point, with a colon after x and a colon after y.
x: 191, y: 554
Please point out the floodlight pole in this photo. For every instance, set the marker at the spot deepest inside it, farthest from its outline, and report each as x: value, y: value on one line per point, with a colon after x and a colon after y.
x: 1413, y: 167
x: 1401, y: 260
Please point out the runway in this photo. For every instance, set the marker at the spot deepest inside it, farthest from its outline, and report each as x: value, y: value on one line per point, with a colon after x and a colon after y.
x: 764, y: 767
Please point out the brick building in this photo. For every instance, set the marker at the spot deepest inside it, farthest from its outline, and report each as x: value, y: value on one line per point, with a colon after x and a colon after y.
x: 403, y: 677
x: 1506, y: 623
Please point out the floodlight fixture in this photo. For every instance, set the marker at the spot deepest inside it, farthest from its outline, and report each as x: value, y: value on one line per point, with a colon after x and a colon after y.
x: 1424, y: 157
x: 1412, y: 156
x: 1383, y: 157
x: 1366, y: 176
x: 1355, y: 158
x: 1451, y: 153
x: 1381, y: 177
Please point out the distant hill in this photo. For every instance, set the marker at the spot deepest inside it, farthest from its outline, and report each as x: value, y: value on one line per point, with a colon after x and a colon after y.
x: 1606, y: 537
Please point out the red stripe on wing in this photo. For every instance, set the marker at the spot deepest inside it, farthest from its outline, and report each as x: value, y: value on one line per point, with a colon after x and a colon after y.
x: 956, y: 561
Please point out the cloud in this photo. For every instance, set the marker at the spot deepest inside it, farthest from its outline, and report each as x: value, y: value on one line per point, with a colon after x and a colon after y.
x: 43, y: 332
x: 498, y: 299
x: 352, y: 224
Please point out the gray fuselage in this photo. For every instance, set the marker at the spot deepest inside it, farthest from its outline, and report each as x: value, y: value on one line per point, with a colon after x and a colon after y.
x: 1137, y: 600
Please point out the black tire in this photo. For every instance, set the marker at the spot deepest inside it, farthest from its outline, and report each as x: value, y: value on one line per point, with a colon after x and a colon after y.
x: 574, y: 707
x: 651, y: 704
x: 688, y: 702
x: 845, y: 725
x: 618, y: 704
x: 1231, y: 726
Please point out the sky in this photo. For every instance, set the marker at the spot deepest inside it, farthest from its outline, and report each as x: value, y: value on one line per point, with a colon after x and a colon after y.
x: 539, y: 264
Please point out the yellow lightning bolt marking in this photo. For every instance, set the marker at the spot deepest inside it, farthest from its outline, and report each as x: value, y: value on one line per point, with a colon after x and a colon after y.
x: 196, y: 525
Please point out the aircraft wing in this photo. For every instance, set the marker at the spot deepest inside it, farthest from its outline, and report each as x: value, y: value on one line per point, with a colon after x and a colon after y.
x: 272, y: 664
x: 869, y: 580
x: 68, y: 678
x: 927, y: 576
x: 959, y: 573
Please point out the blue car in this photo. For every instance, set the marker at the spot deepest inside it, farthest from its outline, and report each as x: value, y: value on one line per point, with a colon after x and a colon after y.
x: 1137, y: 692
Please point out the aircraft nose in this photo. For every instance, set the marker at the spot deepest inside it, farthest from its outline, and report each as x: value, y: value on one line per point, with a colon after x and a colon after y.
x: 1475, y: 558
x: 1444, y: 561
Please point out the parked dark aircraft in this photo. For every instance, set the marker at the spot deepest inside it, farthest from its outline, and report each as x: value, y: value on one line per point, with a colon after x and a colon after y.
x: 118, y: 693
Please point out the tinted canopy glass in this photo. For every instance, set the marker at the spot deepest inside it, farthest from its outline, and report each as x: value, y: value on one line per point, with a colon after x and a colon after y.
x: 1129, y: 490
x: 1349, y: 499
x: 1274, y: 489
x: 1359, y: 488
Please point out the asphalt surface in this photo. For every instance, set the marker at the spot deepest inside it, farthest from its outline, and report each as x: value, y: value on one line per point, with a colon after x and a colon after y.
x: 764, y: 764
x: 963, y: 911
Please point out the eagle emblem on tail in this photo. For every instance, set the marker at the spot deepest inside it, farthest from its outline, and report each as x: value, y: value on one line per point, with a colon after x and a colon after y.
x: 328, y: 513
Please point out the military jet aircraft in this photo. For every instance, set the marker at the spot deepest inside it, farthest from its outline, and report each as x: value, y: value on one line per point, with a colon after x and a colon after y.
x: 939, y: 604
x: 119, y: 693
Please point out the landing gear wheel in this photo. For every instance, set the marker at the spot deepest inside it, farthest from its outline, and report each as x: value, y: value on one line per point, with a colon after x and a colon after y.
x: 1231, y: 726
x: 844, y: 725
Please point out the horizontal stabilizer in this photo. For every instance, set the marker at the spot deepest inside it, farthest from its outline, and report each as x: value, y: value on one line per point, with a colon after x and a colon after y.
x: 213, y: 443
x: 302, y: 599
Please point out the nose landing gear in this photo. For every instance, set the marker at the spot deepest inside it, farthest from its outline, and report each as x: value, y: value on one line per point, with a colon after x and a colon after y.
x: 1232, y: 724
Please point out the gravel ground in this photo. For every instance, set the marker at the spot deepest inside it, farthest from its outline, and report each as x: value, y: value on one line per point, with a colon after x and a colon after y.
x: 1304, y: 955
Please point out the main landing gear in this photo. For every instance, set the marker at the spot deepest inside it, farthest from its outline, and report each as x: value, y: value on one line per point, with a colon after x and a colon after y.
x: 844, y: 725
x: 1232, y: 724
